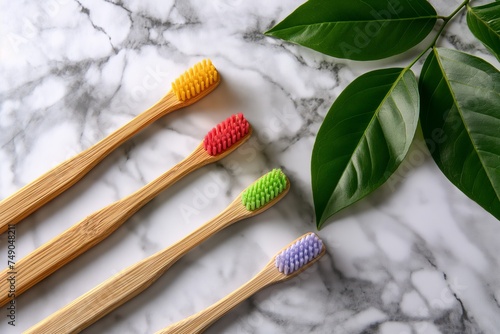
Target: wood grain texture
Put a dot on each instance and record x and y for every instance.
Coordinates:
(200, 321)
(54, 182)
(65, 247)
(120, 288)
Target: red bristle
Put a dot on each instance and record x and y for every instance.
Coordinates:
(226, 134)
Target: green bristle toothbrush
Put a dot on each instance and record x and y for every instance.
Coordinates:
(107, 296)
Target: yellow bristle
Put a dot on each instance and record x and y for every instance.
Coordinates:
(195, 80)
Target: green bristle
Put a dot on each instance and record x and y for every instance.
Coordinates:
(264, 190)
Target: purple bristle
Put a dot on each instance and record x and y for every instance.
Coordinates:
(299, 254)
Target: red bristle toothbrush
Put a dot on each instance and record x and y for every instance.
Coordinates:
(191, 86)
(54, 254)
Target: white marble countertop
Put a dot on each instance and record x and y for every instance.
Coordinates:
(416, 256)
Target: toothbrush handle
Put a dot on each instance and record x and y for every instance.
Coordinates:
(104, 298)
(107, 296)
(200, 321)
(65, 247)
(54, 182)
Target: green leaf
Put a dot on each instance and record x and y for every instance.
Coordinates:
(358, 29)
(363, 138)
(460, 117)
(484, 23)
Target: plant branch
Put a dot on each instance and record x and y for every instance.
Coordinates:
(446, 20)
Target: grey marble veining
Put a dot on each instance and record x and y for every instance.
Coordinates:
(416, 256)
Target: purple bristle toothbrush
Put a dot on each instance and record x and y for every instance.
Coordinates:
(290, 262)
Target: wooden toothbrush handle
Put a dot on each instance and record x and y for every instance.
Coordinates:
(65, 247)
(54, 254)
(200, 321)
(45, 188)
(104, 298)
(115, 291)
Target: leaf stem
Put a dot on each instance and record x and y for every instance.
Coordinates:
(446, 20)
(463, 4)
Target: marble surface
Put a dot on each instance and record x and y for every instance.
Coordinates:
(416, 256)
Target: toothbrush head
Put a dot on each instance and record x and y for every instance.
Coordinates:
(196, 82)
(233, 130)
(300, 254)
(269, 187)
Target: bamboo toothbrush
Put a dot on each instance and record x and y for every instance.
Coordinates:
(190, 87)
(45, 260)
(290, 262)
(115, 291)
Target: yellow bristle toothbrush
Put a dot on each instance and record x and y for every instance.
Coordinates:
(115, 291)
(46, 259)
(190, 87)
(291, 261)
